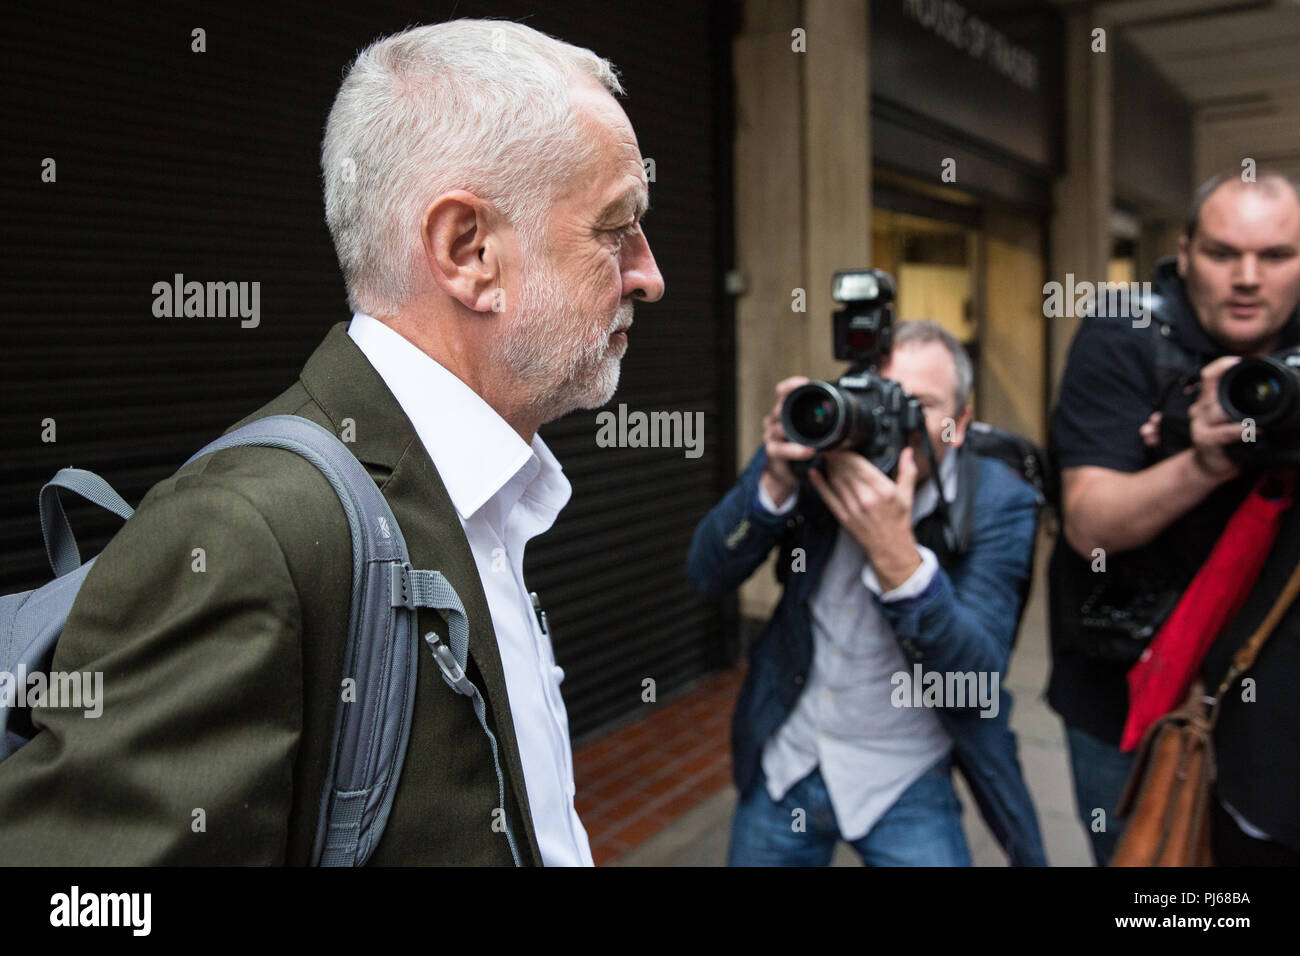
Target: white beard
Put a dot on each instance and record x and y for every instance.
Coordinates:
(557, 373)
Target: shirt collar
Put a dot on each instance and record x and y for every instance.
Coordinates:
(477, 454)
(926, 498)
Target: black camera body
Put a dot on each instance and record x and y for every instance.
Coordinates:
(862, 411)
(1265, 392)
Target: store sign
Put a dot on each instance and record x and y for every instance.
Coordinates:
(960, 28)
(988, 69)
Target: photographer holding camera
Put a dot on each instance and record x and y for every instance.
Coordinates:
(1153, 468)
(886, 578)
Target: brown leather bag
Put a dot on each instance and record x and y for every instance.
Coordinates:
(1167, 797)
(1168, 793)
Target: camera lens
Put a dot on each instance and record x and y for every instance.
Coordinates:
(1257, 394)
(814, 415)
(1263, 390)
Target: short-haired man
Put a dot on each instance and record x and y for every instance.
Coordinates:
(825, 746)
(484, 191)
(1147, 481)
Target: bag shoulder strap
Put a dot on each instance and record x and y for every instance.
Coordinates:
(60, 543)
(1245, 657)
(371, 732)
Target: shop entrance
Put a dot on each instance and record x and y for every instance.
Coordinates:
(978, 270)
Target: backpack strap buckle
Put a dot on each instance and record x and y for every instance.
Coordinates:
(400, 584)
(452, 672)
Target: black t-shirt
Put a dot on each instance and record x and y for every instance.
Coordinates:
(1106, 395)
(1110, 388)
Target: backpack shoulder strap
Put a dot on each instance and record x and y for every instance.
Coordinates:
(60, 543)
(371, 732)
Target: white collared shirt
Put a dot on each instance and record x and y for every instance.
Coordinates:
(505, 493)
(869, 751)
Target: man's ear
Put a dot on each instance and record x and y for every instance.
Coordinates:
(960, 423)
(462, 250)
(1184, 250)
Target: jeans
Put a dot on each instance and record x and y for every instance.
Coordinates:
(1100, 772)
(921, 828)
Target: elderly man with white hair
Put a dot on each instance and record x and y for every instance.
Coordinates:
(484, 191)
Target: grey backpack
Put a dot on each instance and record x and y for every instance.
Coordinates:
(370, 732)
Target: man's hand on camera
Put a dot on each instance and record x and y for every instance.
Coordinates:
(875, 510)
(778, 479)
(1212, 430)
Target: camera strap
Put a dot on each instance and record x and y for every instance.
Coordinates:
(949, 528)
(950, 537)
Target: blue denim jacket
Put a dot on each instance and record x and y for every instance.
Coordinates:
(964, 620)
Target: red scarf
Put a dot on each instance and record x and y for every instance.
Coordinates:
(1161, 678)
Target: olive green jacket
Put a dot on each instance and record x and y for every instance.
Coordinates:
(222, 668)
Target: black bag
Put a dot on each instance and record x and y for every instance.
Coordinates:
(1018, 453)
